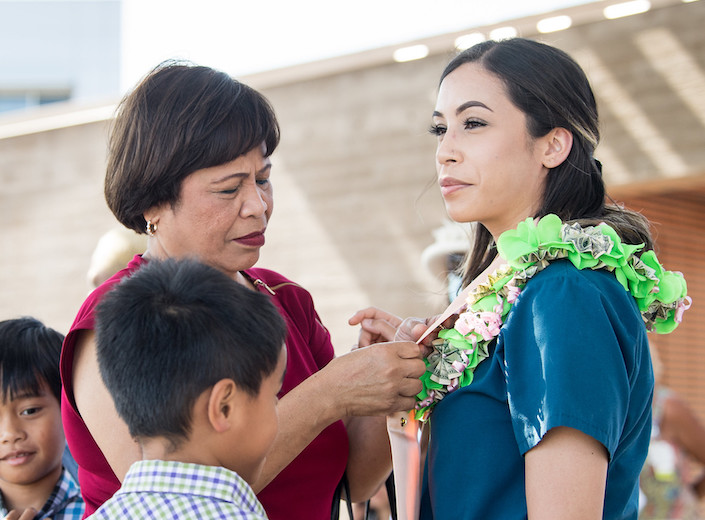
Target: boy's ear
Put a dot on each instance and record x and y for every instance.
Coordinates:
(225, 405)
(559, 142)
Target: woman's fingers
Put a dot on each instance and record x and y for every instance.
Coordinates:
(376, 326)
(375, 314)
(27, 514)
(380, 379)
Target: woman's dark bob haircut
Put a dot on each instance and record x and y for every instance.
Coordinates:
(180, 118)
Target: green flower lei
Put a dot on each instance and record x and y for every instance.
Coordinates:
(660, 295)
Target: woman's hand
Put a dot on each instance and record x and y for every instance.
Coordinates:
(376, 326)
(381, 378)
(374, 381)
(27, 514)
(378, 380)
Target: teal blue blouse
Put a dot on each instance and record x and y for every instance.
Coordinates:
(573, 352)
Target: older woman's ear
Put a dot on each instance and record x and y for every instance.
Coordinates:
(558, 143)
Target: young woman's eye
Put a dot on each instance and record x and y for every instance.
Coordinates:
(30, 411)
(473, 123)
(437, 130)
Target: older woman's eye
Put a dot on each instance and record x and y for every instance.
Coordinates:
(262, 182)
(437, 130)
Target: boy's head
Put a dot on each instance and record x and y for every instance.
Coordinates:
(31, 434)
(186, 351)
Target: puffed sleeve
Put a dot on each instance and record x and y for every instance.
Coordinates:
(570, 355)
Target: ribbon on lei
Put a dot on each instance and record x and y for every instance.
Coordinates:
(406, 433)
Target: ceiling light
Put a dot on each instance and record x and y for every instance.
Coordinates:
(468, 40)
(413, 52)
(503, 33)
(553, 24)
(626, 9)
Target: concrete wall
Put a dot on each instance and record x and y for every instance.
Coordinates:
(51, 214)
(354, 176)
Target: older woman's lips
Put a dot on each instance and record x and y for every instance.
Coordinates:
(450, 185)
(252, 240)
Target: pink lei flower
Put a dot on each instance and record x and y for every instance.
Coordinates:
(486, 324)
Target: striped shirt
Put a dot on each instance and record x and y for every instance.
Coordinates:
(64, 503)
(158, 489)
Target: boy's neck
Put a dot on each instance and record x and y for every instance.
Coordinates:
(161, 449)
(23, 496)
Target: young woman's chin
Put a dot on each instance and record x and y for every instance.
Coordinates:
(460, 213)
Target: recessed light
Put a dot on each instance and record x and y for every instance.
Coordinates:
(553, 24)
(626, 9)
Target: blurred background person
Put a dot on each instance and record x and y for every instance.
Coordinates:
(669, 490)
(114, 249)
(444, 257)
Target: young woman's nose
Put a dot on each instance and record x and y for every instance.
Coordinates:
(447, 149)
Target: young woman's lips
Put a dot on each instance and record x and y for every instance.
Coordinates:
(252, 240)
(450, 185)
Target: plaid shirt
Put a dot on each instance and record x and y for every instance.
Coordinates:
(64, 503)
(158, 489)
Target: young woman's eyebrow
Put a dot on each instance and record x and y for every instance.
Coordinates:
(463, 107)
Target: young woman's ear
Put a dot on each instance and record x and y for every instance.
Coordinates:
(558, 143)
(223, 405)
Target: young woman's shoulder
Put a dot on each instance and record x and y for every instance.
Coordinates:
(563, 289)
(563, 271)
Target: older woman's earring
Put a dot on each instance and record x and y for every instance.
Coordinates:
(151, 228)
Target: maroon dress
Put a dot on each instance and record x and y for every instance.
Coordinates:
(304, 489)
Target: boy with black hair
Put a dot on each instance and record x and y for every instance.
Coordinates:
(33, 482)
(194, 362)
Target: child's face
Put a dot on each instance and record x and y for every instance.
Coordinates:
(263, 424)
(31, 438)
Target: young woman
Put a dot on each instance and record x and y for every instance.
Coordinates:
(541, 391)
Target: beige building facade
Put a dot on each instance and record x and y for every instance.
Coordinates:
(354, 177)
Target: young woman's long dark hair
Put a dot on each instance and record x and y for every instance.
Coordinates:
(552, 91)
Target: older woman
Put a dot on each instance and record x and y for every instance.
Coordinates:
(189, 165)
(540, 391)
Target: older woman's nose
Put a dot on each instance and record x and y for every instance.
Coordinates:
(254, 203)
